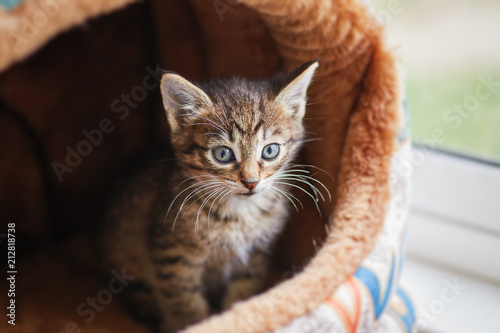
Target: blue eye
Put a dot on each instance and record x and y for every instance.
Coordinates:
(223, 154)
(270, 151)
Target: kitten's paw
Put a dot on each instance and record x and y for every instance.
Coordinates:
(193, 310)
(240, 290)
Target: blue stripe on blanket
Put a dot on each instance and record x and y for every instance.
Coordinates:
(371, 281)
(409, 317)
(9, 4)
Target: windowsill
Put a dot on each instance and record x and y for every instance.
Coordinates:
(454, 214)
(475, 309)
(454, 239)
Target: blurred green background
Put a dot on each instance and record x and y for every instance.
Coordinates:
(444, 47)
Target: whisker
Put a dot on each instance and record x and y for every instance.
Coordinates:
(314, 167)
(304, 177)
(303, 190)
(320, 183)
(191, 178)
(275, 195)
(211, 195)
(300, 188)
(191, 195)
(205, 118)
(284, 192)
(311, 140)
(225, 117)
(274, 122)
(281, 195)
(191, 186)
(210, 210)
(314, 118)
(314, 188)
(200, 188)
(204, 194)
(217, 115)
(294, 197)
(315, 103)
(206, 124)
(290, 174)
(212, 133)
(291, 171)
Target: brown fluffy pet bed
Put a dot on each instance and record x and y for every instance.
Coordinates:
(66, 66)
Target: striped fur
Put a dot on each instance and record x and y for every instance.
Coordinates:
(197, 236)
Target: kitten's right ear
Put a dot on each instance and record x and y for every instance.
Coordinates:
(181, 99)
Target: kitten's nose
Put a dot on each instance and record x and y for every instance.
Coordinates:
(249, 184)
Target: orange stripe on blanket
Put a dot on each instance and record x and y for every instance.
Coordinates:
(357, 301)
(351, 325)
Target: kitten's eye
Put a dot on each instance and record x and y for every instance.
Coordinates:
(223, 154)
(270, 151)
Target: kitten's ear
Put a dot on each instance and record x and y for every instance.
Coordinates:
(181, 99)
(293, 95)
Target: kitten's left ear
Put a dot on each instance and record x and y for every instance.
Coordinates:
(293, 95)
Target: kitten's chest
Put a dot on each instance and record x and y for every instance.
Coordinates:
(240, 225)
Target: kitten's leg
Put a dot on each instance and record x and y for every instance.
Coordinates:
(179, 270)
(246, 280)
(139, 299)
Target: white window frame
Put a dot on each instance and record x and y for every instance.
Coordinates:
(454, 216)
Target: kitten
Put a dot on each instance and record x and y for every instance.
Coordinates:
(197, 237)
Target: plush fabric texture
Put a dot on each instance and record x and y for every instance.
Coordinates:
(65, 63)
(27, 26)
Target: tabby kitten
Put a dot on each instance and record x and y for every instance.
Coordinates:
(197, 237)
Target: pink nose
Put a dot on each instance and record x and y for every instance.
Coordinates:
(249, 184)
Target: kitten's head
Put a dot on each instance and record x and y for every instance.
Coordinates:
(236, 132)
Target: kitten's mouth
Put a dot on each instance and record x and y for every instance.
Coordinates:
(247, 194)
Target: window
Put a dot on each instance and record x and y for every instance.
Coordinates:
(450, 52)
